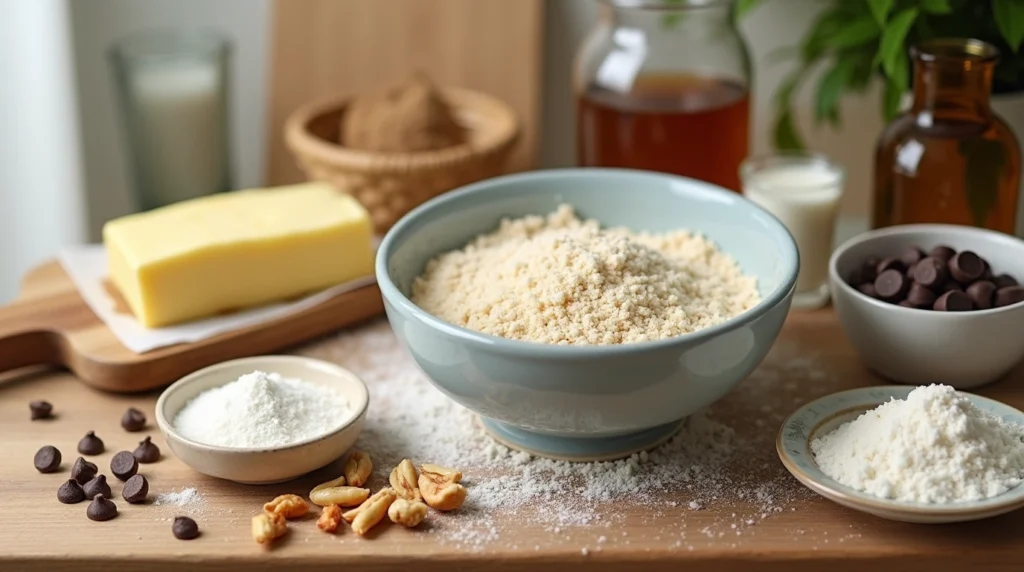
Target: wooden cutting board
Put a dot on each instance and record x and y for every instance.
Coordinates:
(50, 324)
(325, 47)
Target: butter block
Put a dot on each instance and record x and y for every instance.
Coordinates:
(234, 250)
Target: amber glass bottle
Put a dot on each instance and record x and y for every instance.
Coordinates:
(949, 159)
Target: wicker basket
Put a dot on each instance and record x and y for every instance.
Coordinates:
(391, 184)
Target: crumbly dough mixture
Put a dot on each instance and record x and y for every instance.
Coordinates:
(560, 280)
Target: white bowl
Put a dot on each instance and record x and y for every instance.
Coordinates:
(827, 413)
(907, 345)
(272, 464)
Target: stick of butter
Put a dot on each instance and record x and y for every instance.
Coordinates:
(235, 250)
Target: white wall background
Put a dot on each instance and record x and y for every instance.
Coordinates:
(43, 207)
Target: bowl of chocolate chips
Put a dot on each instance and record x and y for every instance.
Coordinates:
(931, 303)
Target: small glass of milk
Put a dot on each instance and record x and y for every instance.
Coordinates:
(803, 190)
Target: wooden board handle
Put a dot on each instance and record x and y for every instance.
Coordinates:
(24, 340)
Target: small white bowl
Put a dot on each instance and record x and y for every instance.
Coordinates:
(273, 464)
(825, 414)
(919, 347)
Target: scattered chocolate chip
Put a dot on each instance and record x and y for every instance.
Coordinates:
(890, 263)
(920, 297)
(1004, 280)
(981, 293)
(1009, 295)
(184, 528)
(133, 420)
(135, 489)
(97, 486)
(911, 256)
(101, 509)
(147, 451)
(91, 444)
(930, 272)
(966, 267)
(124, 465)
(83, 471)
(70, 492)
(891, 285)
(40, 410)
(868, 289)
(943, 253)
(47, 459)
(953, 301)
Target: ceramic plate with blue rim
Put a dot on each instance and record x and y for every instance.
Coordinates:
(825, 414)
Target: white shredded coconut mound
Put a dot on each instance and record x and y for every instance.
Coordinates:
(933, 447)
(261, 410)
(560, 280)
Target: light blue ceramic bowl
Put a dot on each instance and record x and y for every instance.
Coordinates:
(589, 402)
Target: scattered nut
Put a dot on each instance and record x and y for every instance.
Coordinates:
(338, 482)
(350, 515)
(407, 513)
(358, 468)
(373, 511)
(330, 518)
(404, 480)
(440, 489)
(288, 506)
(268, 526)
(344, 496)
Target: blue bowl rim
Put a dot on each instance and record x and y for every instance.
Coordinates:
(998, 239)
(481, 340)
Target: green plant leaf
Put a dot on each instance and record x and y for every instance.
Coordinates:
(855, 33)
(1009, 16)
(880, 9)
(743, 7)
(830, 88)
(785, 135)
(984, 163)
(935, 6)
(891, 100)
(892, 38)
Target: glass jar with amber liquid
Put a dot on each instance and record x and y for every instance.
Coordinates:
(665, 86)
(949, 159)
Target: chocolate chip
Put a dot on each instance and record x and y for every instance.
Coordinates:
(930, 272)
(905, 304)
(981, 294)
(891, 285)
(1009, 295)
(101, 509)
(47, 459)
(868, 289)
(40, 410)
(133, 420)
(70, 492)
(1004, 280)
(920, 297)
(943, 253)
(91, 444)
(147, 451)
(987, 273)
(97, 486)
(135, 489)
(953, 301)
(890, 264)
(966, 267)
(910, 271)
(124, 465)
(184, 528)
(950, 285)
(83, 471)
(869, 270)
(911, 256)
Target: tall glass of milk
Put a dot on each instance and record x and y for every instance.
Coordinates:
(173, 94)
(803, 190)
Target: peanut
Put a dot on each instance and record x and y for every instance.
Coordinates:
(440, 487)
(358, 468)
(344, 496)
(288, 506)
(404, 480)
(373, 511)
(268, 526)
(407, 513)
(330, 518)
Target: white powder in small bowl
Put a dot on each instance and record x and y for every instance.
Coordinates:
(261, 410)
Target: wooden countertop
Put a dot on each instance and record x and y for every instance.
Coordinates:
(803, 533)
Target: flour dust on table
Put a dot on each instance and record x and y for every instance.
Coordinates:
(707, 464)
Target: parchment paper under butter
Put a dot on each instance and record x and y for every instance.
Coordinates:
(87, 267)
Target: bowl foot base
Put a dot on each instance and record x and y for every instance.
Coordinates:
(579, 449)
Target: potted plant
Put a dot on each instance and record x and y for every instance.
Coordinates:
(859, 40)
